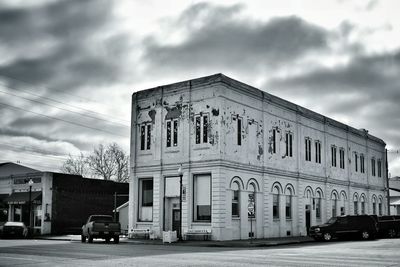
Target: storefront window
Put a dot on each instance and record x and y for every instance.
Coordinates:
(38, 216)
(146, 199)
(202, 197)
(17, 213)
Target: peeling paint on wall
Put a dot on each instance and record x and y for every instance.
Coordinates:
(152, 115)
(173, 113)
(215, 112)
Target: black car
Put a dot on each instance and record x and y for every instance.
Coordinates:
(359, 226)
(389, 226)
(14, 229)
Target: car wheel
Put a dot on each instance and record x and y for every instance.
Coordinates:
(327, 236)
(116, 239)
(90, 239)
(365, 235)
(391, 233)
(83, 238)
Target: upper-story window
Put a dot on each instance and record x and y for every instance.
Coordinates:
(289, 144)
(308, 148)
(341, 156)
(201, 128)
(275, 131)
(373, 167)
(333, 153)
(239, 131)
(145, 136)
(317, 151)
(362, 165)
(356, 162)
(172, 133)
(379, 168)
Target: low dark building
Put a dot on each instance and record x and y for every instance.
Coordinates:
(57, 203)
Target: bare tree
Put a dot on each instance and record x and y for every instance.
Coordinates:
(108, 163)
(76, 165)
(121, 163)
(101, 162)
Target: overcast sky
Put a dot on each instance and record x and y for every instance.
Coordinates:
(68, 68)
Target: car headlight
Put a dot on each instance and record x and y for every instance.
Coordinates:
(317, 230)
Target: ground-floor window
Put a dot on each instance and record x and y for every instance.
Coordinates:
(38, 215)
(17, 211)
(318, 207)
(202, 197)
(288, 208)
(362, 205)
(275, 202)
(235, 199)
(146, 199)
(380, 206)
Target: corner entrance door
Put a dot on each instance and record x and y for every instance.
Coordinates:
(176, 218)
(308, 218)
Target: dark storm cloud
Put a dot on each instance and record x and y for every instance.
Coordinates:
(367, 90)
(376, 76)
(217, 38)
(65, 35)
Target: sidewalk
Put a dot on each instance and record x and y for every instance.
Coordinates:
(199, 243)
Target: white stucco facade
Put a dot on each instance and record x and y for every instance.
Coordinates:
(196, 123)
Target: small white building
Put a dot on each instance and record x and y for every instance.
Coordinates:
(253, 164)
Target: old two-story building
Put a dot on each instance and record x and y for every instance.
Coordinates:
(54, 203)
(253, 164)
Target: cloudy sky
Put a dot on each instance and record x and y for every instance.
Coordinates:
(68, 68)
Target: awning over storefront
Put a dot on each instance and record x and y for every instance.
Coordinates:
(23, 197)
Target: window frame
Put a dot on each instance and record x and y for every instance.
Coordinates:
(145, 130)
(317, 151)
(202, 123)
(289, 144)
(333, 155)
(140, 199)
(341, 158)
(194, 208)
(171, 132)
(307, 142)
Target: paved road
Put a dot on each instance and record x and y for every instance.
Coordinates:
(385, 252)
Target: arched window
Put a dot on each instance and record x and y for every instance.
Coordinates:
(362, 201)
(355, 203)
(288, 207)
(318, 201)
(380, 206)
(252, 198)
(275, 201)
(235, 198)
(343, 199)
(374, 205)
(334, 201)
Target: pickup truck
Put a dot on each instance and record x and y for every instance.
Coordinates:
(101, 226)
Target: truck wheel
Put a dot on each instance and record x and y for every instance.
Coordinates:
(83, 238)
(327, 237)
(90, 239)
(365, 235)
(116, 239)
(107, 240)
(391, 233)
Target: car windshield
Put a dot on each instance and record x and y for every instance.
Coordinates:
(332, 220)
(101, 219)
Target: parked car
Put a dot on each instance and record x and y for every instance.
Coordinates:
(101, 226)
(389, 226)
(360, 226)
(14, 229)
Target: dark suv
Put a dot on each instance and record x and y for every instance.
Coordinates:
(361, 226)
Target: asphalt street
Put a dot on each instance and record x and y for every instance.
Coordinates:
(384, 252)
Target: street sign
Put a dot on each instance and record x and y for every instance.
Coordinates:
(251, 209)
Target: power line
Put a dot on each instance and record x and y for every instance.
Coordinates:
(66, 121)
(80, 114)
(52, 99)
